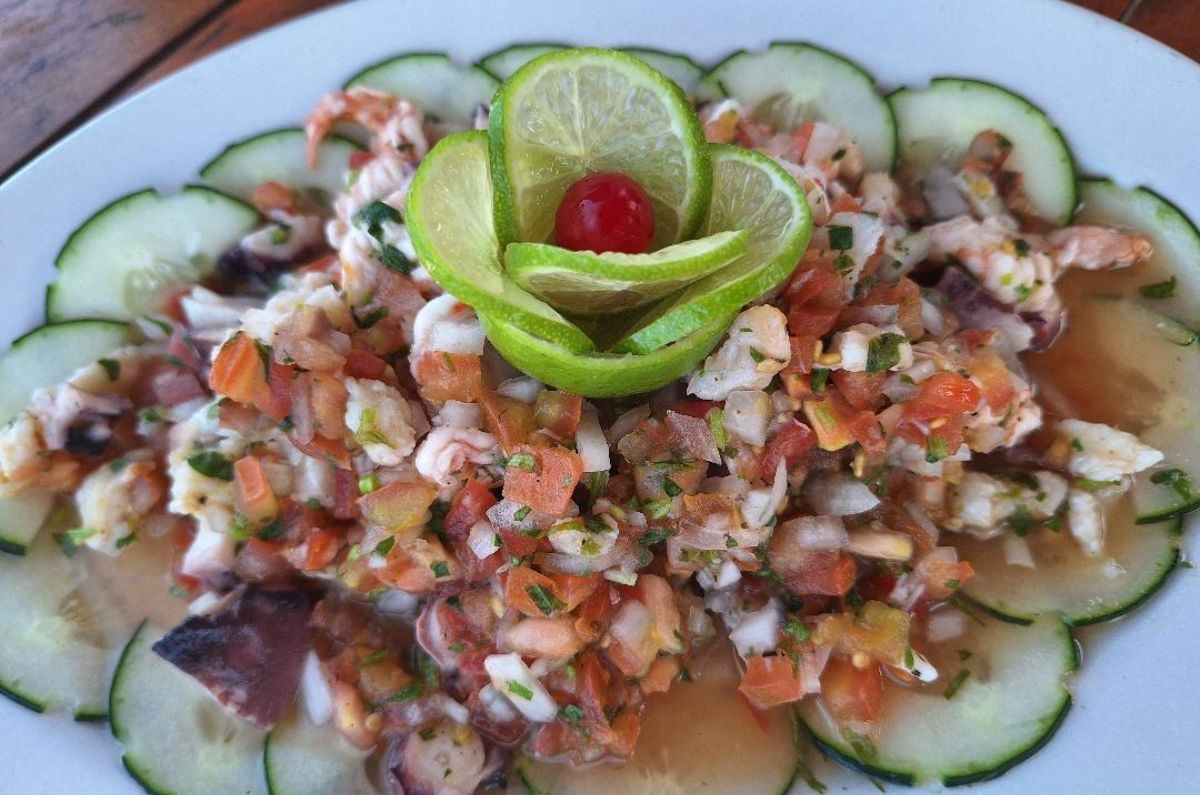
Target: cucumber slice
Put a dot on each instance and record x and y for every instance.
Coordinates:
(54, 655)
(450, 217)
(178, 740)
(502, 63)
(699, 738)
(789, 83)
(49, 355)
(600, 284)
(279, 156)
(1007, 708)
(444, 90)
(63, 617)
(303, 759)
(937, 124)
(21, 517)
(113, 265)
(1136, 563)
(680, 68)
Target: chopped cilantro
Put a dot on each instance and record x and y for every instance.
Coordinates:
(657, 509)
(716, 424)
(652, 537)
(1021, 520)
(522, 512)
(883, 352)
(819, 378)
(570, 713)
(964, 655)
(385, 546)
(671, 488)
(212, 464)
(843, 263)
(757, 355)
(1176, 479)
(841, 238)
(374, 658)
(409, 692)
(125, 541)
(394, 260)
(427, 733)
(371, 318)
(956, 683)
(1021, 247)
(936, 449)
(797, 629)
(111, 367)
(372, 217)
(1158, 290)
(1076, 445)
(546, 601)
(524, 461)
(520, 690)
(439, 569)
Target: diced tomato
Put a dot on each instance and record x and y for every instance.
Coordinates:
(790, 444)
(595, 613)
(359, 160)
(905, 295)
(510, 421)
(255, 499)
(518, 545)
(804, 351)
(770, 681)
(695, 408)
(328, 401)
(625, 730)
(469, 505)
(861, 390)
(239, 373)
(942, 577)
(661, 675)
(322, 449)
(656, 594)
(838, 425)
(528, 592)
(273, 195)
(364, 364)
(575, 588)
(816, 294)
(807, 571)
(320, 549)
(542, 478)
(558, 412)
(876, 630)
(996, 384)
(846, 203)
(442, 376)
(877, 585)
(398, 507)
(345, 495)
(940, 396)
(853, 696)
(591, 686)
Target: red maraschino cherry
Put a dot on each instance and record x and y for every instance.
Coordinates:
(605, 212)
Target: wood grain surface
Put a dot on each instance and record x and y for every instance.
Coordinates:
(62, 61)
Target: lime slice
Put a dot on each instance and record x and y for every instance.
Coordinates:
(586, 283)
(601, 374)
(752, 192)
(570, 113)
(449, 216)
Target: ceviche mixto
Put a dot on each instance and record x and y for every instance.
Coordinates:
(582, 439)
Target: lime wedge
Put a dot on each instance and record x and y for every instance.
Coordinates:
(599, 284)
(449, 216)
(752, 192)
(601, 374)
(570, 113)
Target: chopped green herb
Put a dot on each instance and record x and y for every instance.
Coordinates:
(150, 414)
(1076, 445)
(652, 537)
(757, 355)
(524, 461)
(1176, 479)
(367, 432)
(385, 546)
(1021, 247)
(956, 683)
(117, 464)
(111, 367)
(409, 692)
(1021, 520)
(372, 217)
(716, 424)
(547, 602)
(522, 512)
(439, 569)
(457, 648)
(883, 352)
(1023, 292)
(279, 234)
(125, 541)
(797, 629)
(371, 318)
(671, 488)
(368, 483)
(212, 464)
(657, 509)
(730, 542)
(570, 713)
(1159, 290)
(936, 449)
(313, 504)
(427, 733)
(841, 238)
(843, 263)
(953, 584)
(910, 660)
(374, 658)
(964, 655)
(520, 690)
(595, 482)
(394, 259)
(239, 527)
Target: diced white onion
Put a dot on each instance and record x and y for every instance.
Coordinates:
(457, 414)
(747, 415)
(881, 544)
(483, 539)
(1017, 552)
(627, 422)
(590, 442)
(839, 494)
(757, 632)
(945, 625)
(513, 680)
(817, 532)
(315, 693)
(631, 623)
(523, 389)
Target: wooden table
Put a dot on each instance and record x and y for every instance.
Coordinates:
(62, 61)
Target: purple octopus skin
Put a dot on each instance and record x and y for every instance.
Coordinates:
(249, 655)
(975, 308)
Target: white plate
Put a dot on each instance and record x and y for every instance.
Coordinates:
(1129, 106)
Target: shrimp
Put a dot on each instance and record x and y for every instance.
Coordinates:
(757, 348)
(1100, 452)
(1096, 247)
(445, 452)
(395, 124)
(111, 500)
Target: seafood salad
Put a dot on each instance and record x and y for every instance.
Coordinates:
(478, 448)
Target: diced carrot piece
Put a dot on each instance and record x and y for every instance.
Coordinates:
(770, 681)
(558, 412)
(442, 376)
(531, 593)
(542, 478)
(398, 507)
(255, 499)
